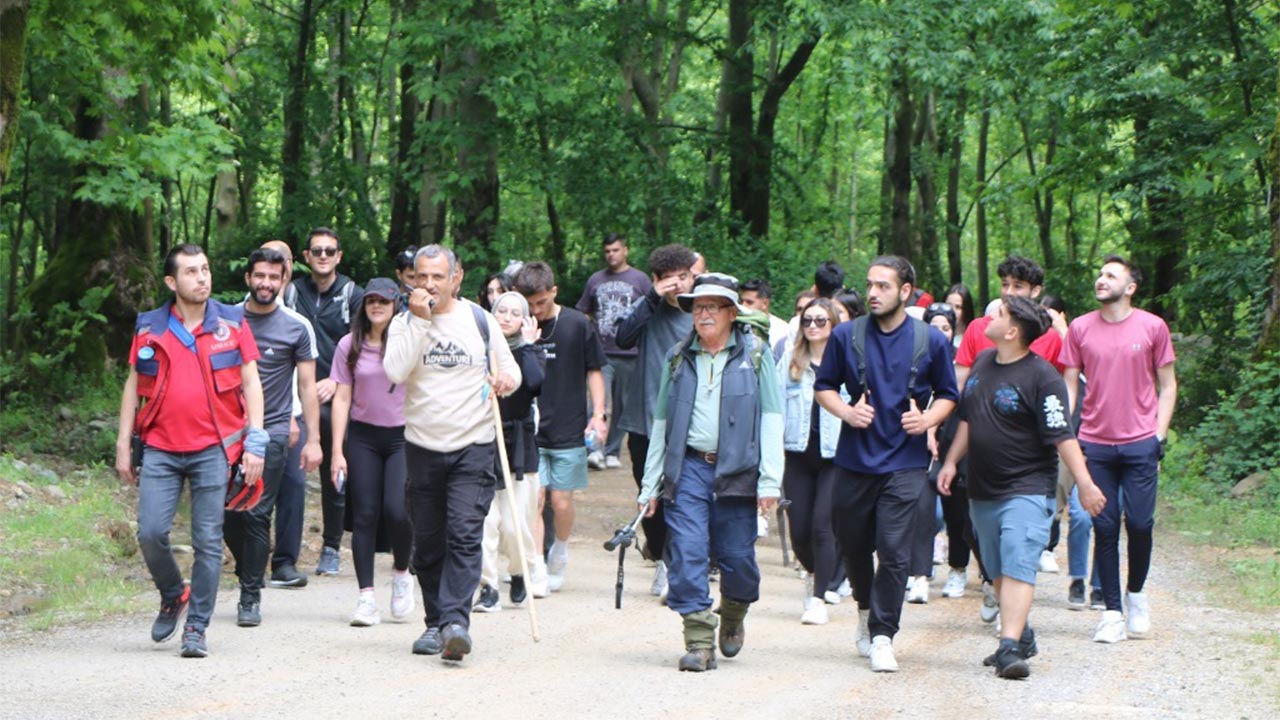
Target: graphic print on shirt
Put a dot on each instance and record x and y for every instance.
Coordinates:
(613, 303)
(1055, 415)
(446, 354)
(1006, 400)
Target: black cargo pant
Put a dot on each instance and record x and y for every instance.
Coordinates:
(248, 533)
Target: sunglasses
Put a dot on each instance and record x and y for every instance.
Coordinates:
(940, 307)
(819, 321)
(327, 250)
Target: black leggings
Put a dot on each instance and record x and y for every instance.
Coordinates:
(655, 528)
(375, 488)
(807, 480)
(955, 512)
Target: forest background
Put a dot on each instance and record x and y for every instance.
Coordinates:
(768, 134)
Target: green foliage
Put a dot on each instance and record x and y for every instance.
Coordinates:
(48, 368)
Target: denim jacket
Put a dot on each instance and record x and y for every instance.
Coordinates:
(797, 405)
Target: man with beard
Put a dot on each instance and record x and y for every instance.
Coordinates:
(883, 360)
(284, 343)
(1127, 354)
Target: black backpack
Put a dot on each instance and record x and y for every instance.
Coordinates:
(919, 348)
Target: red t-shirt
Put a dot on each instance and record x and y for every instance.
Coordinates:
(1047, 346)
(184, 422)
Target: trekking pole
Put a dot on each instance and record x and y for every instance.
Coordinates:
(517, 518)
(621, 540)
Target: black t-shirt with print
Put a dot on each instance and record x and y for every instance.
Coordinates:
(572, 347)
(1017, 413)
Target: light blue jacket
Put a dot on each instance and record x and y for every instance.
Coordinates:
(797, 409)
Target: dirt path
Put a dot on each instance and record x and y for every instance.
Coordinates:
(1203, 661)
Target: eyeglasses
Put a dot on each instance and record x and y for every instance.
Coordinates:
(328, 250)
(709, 309)
(818, 321)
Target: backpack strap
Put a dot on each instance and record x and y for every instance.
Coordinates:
(482, 324)
(291, 296)
(919, 349)
(345, 299)
(858, 340)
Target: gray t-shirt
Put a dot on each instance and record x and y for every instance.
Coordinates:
(284, 339)
(653, 327)
(608, 298)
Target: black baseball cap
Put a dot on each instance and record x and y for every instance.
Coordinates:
(384, 288)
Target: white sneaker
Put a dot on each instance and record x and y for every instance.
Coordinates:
(831, 597)
(919, 592)
(956, 580)
(939, 549)
(815, 612)
(864, 633)
(557, 564)
(1110, 628)
(554, 582)
(1048, 563)
(366, 614)
(538, 581)
(882, 659)
(659, 587)
(990, 609)
(402, 601)
(612, 461)
(845, 589)
(596, 460)
(1138, 622)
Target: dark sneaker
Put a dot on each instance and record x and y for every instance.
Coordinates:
(1075, 595)
(489, 600)
(329, 561)
(429, 643)
(166, 623)
(1026, 646)
(456, 642)
(287, 576)
(249, 613)
(698, 660)
(1095, 600)
(518, 591)
(1010, 662)
(193, 644)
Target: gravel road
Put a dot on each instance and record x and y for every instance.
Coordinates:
(1203, 660)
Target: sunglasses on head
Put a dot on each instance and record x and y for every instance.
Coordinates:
(940, 308)
(328, 250)
(819, 321)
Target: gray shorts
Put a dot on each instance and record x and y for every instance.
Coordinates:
(1012, 533)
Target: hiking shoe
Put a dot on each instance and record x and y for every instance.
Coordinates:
(1096, 601)
(1048, 563)
(863, 643)
(457, 642)
(919, 592)
(489, 600)
(1075, 595)
(1138, 618)
(1010, 662)
(956, 581)
(249, 613)
(698, 660)
(287, 576)
(1111, 628)
(193, 643)
(596, 460)
(428, 643)
(732, 637)
(402, 601)
(990, 609)
(1026, 646)
(659, 586)
(815, 612)
(882, 659)
(166, 623)
(518, 590)
(329, 561)
(366, 614)
(612, 461)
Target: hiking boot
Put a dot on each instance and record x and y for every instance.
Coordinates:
(1138, 619)
(956, 582)
(287, 576)
(402, 601)
(1096, 601)
(249, 613)
(457, 642)
(698, 660)
(1075, 595)
(733, 633)
(1111, 628)
(489, 600)
(429, 643)
(1048, 563)
(1010, 663)
(366, 614)
(166, 623)
(1026, 646)
(193, 644)
(518, 591)
(882, 658)
(330, 561)
(990, 609)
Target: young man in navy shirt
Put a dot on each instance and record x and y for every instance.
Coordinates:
(882, 453)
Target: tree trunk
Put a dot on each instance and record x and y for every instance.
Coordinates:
(738, 86)
(926, 141)
(294, 201)
(475, 205)
(13, 43)
(762, 165)
(885, 229)
(984, 274)
(900, 171)
(1161, 233)
(1246, 83)
(401, 232)
(954, 133)
(1270, 339)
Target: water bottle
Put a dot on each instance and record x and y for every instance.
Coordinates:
(590, 440)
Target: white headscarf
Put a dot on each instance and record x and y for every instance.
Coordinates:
(517, 340)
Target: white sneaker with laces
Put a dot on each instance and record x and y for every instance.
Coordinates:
(815, 612)
(1048, 563)
(557, 564)
(919, 592)
(1138, 621)
(596, 460)
(956, 580)
(366, 614)
(659, 587)
(402, 601)
(1111, 628)
(882, 659)
(990, 604)
(612, 461)
(538, 581)
(864, 633)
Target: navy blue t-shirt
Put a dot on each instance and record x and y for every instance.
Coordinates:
(885, 447)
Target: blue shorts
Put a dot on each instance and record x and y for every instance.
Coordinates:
(563, 469)
(1012, 533)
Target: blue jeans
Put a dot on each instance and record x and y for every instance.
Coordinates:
(699, 524)
(1079, 532)
(159, 487)
(291, 505)
(1127, 475)
(619, 374)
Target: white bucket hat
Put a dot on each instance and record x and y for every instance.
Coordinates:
(712, 284)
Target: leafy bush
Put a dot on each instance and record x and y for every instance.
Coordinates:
(46, 369)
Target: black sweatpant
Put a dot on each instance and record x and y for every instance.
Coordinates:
(922, 538)
(876, 513)
(332, 502)
(248, 533)
(655, 528)
(955, 513)
(375, 488)
(449, 494)
(807, 480)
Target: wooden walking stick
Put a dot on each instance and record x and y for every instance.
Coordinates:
(516, 516)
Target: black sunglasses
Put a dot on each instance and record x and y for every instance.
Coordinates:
(329, 250)
(819, 321)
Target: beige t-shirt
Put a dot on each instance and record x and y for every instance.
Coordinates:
(443, 366)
